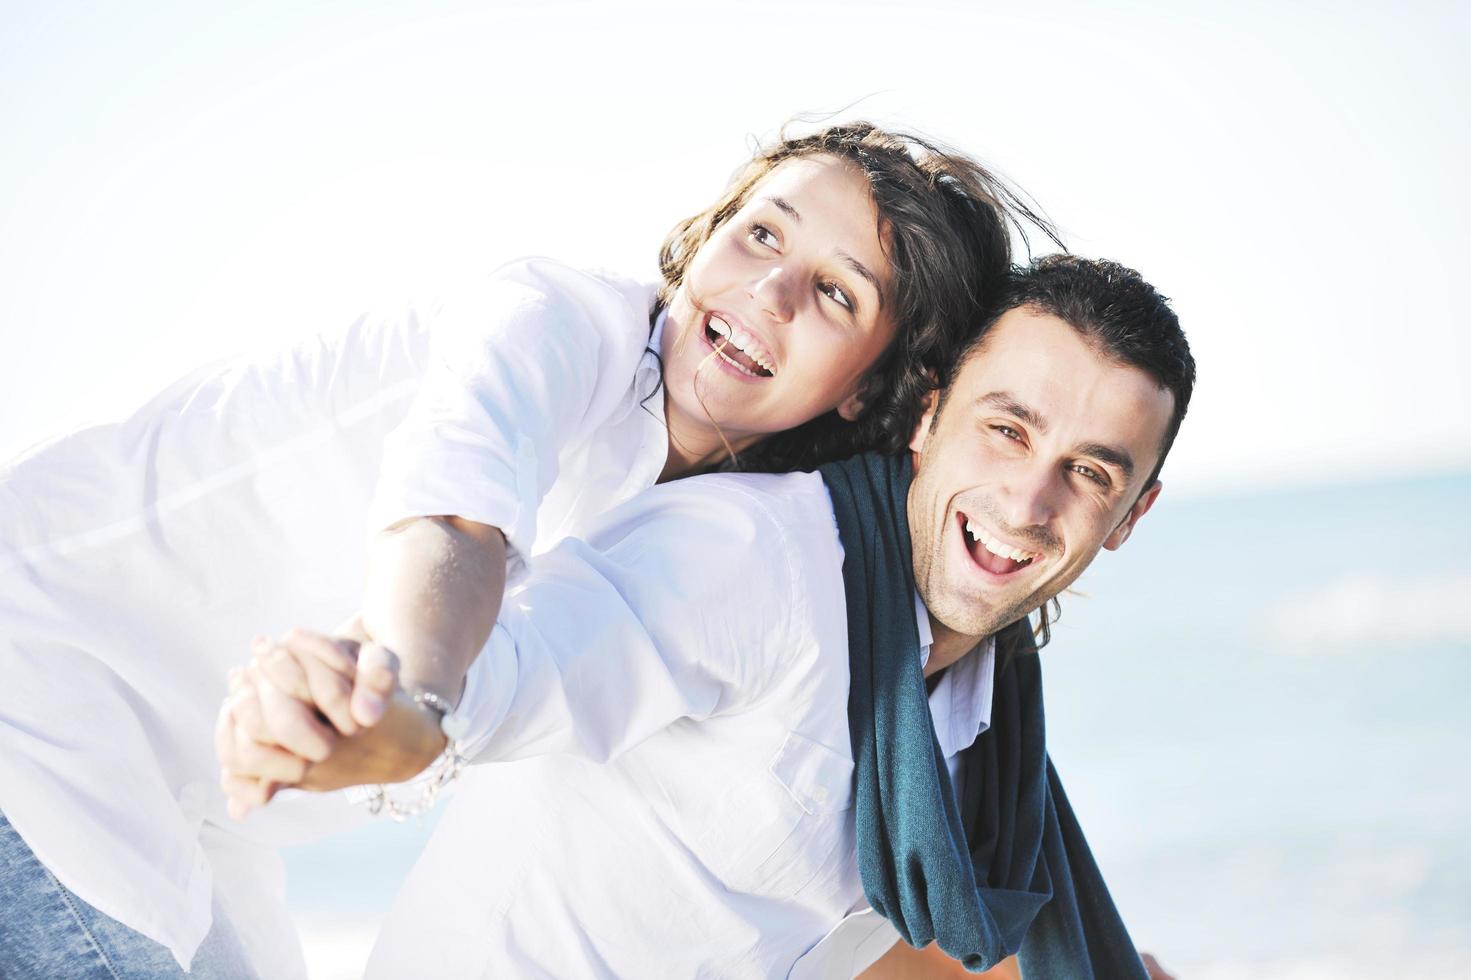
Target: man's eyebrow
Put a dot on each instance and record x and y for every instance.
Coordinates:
(1110, 455)
(1006, 402)
(1011, 405)
(862, 270)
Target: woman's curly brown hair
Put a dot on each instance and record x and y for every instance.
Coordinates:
(946, 223)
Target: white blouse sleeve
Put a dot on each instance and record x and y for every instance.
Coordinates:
(686, 604)
(520, 368)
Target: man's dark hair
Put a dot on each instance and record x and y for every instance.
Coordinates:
(1122, 316)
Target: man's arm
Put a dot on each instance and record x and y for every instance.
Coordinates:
(904, 962)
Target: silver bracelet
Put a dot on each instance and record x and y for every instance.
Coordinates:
(436, 776)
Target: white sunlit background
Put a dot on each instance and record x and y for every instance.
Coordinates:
(1258, 705)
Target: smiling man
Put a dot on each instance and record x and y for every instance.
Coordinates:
(772, 725)
(1046, 447)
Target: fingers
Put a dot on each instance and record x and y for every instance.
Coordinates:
(243, 794)
(281, 668)
(331, 692)
(257, 762)
(271, 729)
(292, 724)
(269, 732)
(315, 669)
(339, 654)
(244, 711)
(242, 742)
(377, 679)
(233, 747)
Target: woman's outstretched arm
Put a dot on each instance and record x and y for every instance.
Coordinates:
(520, 368)
(433, 594)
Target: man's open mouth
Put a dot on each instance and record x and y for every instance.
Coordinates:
(738, 348)
(992, 554)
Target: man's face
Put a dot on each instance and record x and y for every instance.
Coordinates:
(1037, 460)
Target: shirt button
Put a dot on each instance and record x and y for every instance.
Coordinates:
(821, 794)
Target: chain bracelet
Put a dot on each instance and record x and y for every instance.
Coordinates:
(438, 775)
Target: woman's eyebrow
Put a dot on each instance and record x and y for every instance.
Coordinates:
(785, 206)
(862, 270)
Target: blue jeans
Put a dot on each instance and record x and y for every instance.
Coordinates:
(48, 932)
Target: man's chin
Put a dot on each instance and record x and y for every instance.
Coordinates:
(966, 619)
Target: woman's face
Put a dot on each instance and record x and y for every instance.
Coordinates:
(782, 311)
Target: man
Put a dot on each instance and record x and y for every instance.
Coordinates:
(718, 723)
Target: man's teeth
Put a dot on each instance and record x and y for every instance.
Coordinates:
(996, 547)
(742, 342)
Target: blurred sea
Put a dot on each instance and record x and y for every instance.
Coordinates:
(1259, 706)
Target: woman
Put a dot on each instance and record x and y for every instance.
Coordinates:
(818, 298)
(136, 552)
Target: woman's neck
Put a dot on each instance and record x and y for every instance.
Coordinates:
(695, 445)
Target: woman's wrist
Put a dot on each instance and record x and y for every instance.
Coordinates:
(435, 677)
(434, 774)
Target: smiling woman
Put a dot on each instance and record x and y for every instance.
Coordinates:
(786, 300)
(822, 294)
(920, 203)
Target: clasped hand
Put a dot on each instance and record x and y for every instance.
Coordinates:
(319, 712)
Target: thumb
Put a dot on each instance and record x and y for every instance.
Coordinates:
(377, 677)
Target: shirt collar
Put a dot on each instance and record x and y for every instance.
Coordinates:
(961, 702)
(647, 376)
(922, 620)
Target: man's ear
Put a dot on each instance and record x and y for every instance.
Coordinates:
(922, 430)
(1120, 534)
(851, 407)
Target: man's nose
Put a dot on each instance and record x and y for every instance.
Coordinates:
(773, 291)
(1028, 497)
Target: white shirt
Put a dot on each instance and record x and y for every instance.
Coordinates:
(540, 407)
(137, 559)
(664, 779)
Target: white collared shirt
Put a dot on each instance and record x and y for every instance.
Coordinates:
(137, 560)
(540, 407)
(664, 776)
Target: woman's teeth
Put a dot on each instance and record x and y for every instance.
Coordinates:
(977, 533)
(743, 342)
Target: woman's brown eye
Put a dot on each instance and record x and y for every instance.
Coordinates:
(835, 292)
(763, 235)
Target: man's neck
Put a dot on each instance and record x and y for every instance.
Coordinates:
(947, 647)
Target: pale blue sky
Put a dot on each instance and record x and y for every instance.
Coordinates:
(180, 181)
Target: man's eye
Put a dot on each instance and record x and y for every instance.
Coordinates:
(1008, 432)
(1090, 473)
(837, 294)
(763, 235)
